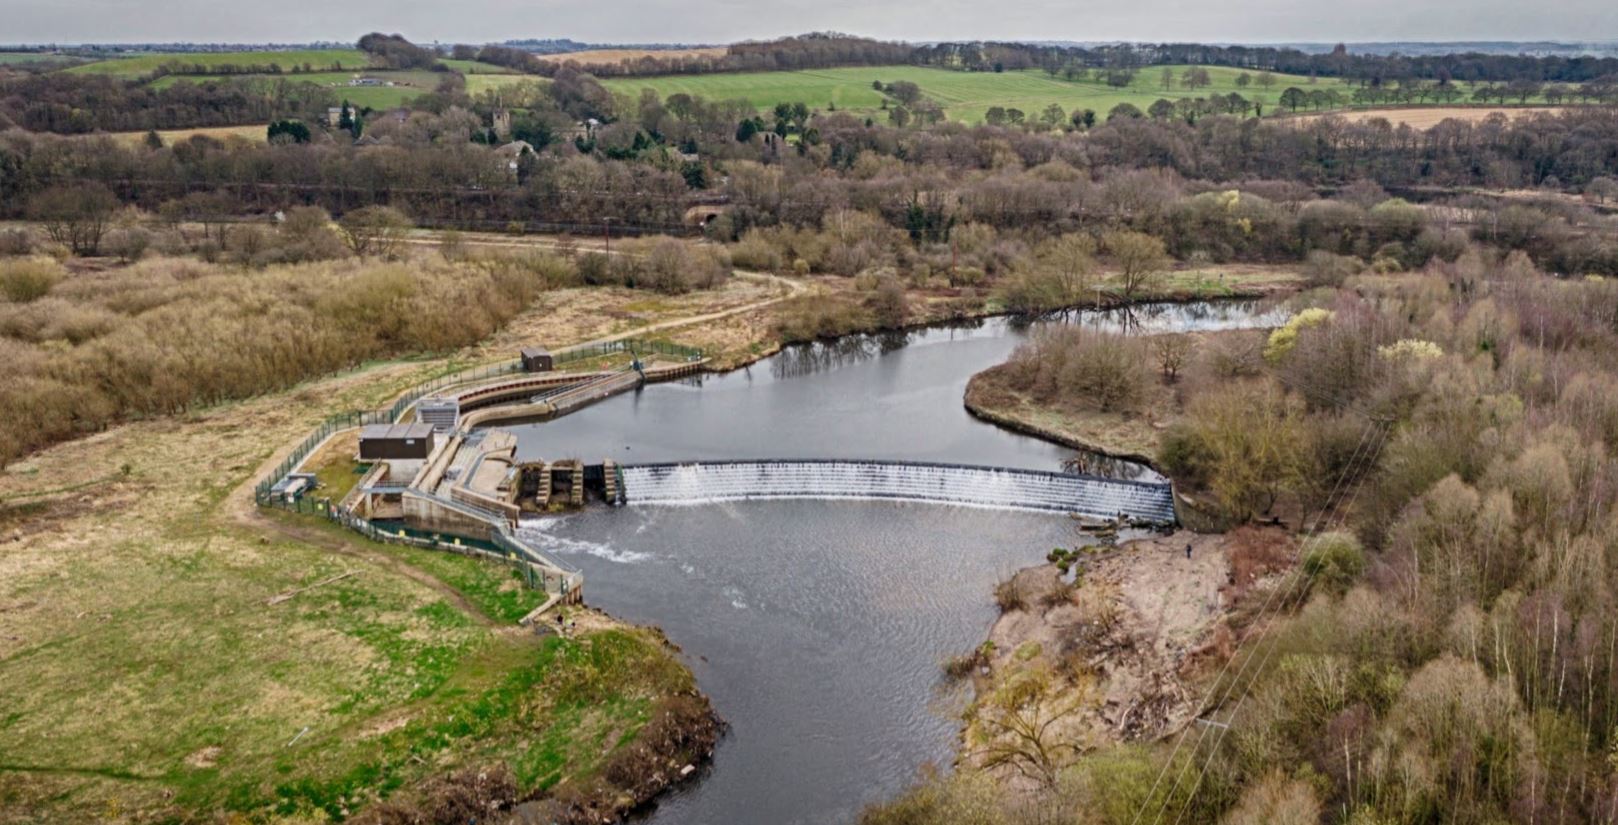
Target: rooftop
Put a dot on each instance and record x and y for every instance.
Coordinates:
(396, 431)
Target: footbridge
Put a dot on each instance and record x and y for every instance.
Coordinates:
(1139, 502)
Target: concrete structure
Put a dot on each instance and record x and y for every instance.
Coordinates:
(396, 441)
(443, 413)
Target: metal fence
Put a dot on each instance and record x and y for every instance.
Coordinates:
(540, 568)
(502, 548)
(633, 346)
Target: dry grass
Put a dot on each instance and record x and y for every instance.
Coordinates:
(254, 133)
(134, 633)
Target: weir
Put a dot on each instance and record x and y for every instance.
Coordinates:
(957, 484)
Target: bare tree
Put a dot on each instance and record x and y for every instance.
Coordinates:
(75, 216)
(1019, 721)
(1171, 352)
(1140, 259)
(375, 230)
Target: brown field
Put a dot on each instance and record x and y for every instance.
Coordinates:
(256, 133)
(609, 56)
(1426, 117)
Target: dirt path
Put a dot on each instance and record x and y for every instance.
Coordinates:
(240, 507)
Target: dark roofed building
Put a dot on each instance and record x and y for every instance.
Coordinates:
(396, 441)
(536, 359)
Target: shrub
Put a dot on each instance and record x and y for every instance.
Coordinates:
(1334, 561)
(375, 230)
(1082, 367)
(1285, 336)
(28, 279)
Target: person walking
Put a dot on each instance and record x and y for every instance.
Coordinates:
(1188, 549)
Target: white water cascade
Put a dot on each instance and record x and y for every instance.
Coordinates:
(990, 487)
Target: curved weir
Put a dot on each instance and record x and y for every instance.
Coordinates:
(958, 484)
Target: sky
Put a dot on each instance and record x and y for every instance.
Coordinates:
(723, 21)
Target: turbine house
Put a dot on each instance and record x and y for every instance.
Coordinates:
(380, 442)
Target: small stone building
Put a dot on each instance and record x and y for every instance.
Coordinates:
(536, 359)
(383, 442)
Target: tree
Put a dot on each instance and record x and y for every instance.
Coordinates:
(1140, 259)
(1265, 80)
(995, 116)
(1125, 110)
(75, 215)
(1168, 78)
(153, 139)
(1244, 80)
(1171, 352)
(1053, 115)
(375, 230)
(1016, 724)
(1293, 97)
(288, 131)
(1163, 109)
(1602, 189)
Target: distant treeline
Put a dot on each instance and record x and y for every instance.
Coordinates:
(83, 103)
(819, 51)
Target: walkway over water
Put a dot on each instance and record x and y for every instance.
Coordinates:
(958, 484)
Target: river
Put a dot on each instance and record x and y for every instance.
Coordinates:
(819, 627)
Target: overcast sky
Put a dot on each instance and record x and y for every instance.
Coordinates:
(720, 21)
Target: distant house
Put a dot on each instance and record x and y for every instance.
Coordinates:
(583, 130)
(500, 121)
(369, 81)
(513, 151)
(334, 116)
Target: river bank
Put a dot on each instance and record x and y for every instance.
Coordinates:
(149, 677)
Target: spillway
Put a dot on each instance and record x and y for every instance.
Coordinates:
(962, 485)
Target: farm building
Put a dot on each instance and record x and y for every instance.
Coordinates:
(396, 441)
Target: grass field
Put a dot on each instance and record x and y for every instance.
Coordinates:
(258, 133)
(471, 67)
(601, 57)
(147, 678)
(319, 59)
(31, 57)
(407, 84)
(964, 95)
(1426, 117)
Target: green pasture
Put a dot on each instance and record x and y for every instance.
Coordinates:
(143, 64)
(965, 96)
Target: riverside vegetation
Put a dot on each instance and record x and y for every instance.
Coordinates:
(174, 313)
(1440, 652)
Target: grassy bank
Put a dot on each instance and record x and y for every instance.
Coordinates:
(147, 677)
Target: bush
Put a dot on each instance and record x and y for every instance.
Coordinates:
(811, 317)
(1081, 367)
(1334, 561)
(29, 279)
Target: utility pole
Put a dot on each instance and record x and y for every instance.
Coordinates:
(606, 233)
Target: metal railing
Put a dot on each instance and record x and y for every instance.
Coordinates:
(633, 346)
(265, 496)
